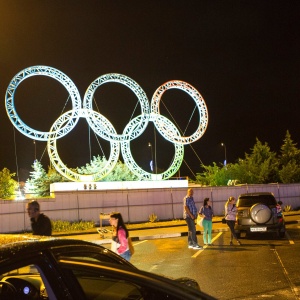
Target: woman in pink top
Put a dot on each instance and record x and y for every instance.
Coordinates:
(120, 236)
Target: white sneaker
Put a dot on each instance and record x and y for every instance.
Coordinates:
(197, 247)
(190, 246)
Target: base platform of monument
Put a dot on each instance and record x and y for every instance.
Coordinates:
(117, 185)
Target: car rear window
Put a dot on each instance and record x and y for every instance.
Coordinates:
(248, 201)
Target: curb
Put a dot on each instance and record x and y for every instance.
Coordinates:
(137, 238)
(168, 235)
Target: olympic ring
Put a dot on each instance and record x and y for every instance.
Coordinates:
(134, 168)
(102, 126)
(46, 71)
(138, 91)
(61, 167)
(203, 115)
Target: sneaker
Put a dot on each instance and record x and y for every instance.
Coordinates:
(231, 243)
(190, 246)
(197, 247)
(211, 244)
(239, 243)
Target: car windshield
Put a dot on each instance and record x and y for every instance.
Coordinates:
(248, 201)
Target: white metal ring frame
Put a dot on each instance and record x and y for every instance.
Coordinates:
(102, 126)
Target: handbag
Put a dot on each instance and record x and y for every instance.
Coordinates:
(130, 246)
(199, 220)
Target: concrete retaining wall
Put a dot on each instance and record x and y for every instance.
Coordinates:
(135, 205)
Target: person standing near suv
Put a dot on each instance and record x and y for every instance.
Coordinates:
(190, 214)
(230, 217)
(207, 213)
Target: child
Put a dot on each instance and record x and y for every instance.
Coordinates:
(279, 209)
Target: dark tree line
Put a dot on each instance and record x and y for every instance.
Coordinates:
(259, 166)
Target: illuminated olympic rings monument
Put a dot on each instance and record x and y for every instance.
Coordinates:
(102, 126)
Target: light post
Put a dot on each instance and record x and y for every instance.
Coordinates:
(34, 150)
(225, 161)
(151, 163)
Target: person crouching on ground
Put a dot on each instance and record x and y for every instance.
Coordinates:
(120, 236)
(40, 223)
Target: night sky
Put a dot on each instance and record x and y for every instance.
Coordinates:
(242, 56)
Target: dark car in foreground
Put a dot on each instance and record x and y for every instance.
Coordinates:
(56, 268)
(257, 212)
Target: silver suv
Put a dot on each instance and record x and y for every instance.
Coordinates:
(257, 212)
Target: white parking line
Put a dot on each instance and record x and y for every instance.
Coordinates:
(215, 238)
(294, 288)
(139, 242)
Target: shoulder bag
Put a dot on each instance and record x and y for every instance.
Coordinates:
(200, 220)
(130, 246)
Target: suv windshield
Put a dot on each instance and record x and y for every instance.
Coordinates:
(249, 200)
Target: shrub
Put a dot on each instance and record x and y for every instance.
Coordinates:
(65, 226)
(153, 218)
(287, 208)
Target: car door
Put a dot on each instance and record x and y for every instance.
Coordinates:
(111, 282)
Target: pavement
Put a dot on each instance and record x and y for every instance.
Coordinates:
(156, 230)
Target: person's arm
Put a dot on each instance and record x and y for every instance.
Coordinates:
(187, 210)
(201, 212)
(122, 240)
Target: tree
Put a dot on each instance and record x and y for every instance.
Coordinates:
(213, 175)
(120, 172)
(261, 166)
(289, 151)
(7, 184)
(36, 183)
(39, 181)
(289, 161)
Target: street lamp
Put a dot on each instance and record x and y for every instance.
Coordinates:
(225, 161)
(34, 150)
(151, 162)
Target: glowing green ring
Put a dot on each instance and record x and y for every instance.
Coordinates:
(62, 168)
(143, 175)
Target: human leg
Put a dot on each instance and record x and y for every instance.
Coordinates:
(192, 238)
(190, 242)
(232, 232)
(205, 231)
(126, 255)
(209, 231)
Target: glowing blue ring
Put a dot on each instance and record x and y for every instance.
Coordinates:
(45, 71)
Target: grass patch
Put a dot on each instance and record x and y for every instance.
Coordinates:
(66, 226)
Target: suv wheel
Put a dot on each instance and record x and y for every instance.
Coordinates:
(260, 213)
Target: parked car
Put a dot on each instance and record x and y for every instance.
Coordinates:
(33, 267)
(257, 213)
